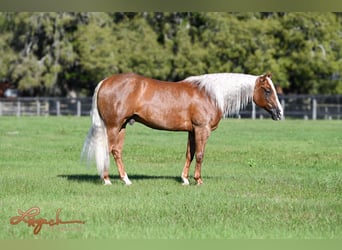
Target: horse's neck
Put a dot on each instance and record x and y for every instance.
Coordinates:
(240, 94)
(230, 91)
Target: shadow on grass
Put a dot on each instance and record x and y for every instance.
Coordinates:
(96, 178)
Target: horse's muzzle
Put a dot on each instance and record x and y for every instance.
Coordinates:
(276, 113)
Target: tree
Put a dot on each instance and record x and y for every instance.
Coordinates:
(42, 44)
(128, 45)
(309, 51)
(53, 53)
(8, 55)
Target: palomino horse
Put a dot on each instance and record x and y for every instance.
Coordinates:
(195, 105)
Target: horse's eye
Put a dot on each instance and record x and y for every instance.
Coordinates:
(267, 91)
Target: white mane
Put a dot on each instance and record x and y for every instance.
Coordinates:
(230, 91)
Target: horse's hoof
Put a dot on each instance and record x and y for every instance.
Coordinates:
(185, 181)
(126, 180)
(107, 183)
(199, 182)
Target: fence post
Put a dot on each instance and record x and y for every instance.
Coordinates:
(38, 107)
(314, 109)
(283, 105)
(253, 111)
(58, 108)
(338, 110)
(18, 108)
(78, 108)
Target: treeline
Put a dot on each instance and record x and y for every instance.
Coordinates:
(55, 53)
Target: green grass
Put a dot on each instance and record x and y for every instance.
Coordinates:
(262, 179)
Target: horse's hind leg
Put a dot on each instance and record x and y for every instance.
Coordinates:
(116, 142)
(201, 137)
(190, 152)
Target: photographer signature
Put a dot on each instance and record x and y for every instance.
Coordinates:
(28, 217)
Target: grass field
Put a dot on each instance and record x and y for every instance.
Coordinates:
(262, 179)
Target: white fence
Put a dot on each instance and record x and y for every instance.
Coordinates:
(303, 107)
(295, 106)
(45, 106)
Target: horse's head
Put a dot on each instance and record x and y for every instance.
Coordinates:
(265, 96)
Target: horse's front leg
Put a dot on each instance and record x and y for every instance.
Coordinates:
(190, 152)
(201, 137)
(116, 142)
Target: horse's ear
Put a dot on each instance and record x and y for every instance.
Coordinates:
(269, 75)
(263, 77)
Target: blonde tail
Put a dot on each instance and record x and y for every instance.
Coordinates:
(96, 143)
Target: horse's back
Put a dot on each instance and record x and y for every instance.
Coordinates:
(120, 79)
(127, 83)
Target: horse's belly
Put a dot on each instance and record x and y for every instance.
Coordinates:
(177, 120)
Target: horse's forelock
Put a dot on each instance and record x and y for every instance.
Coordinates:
(275, 93)
(271, 84)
